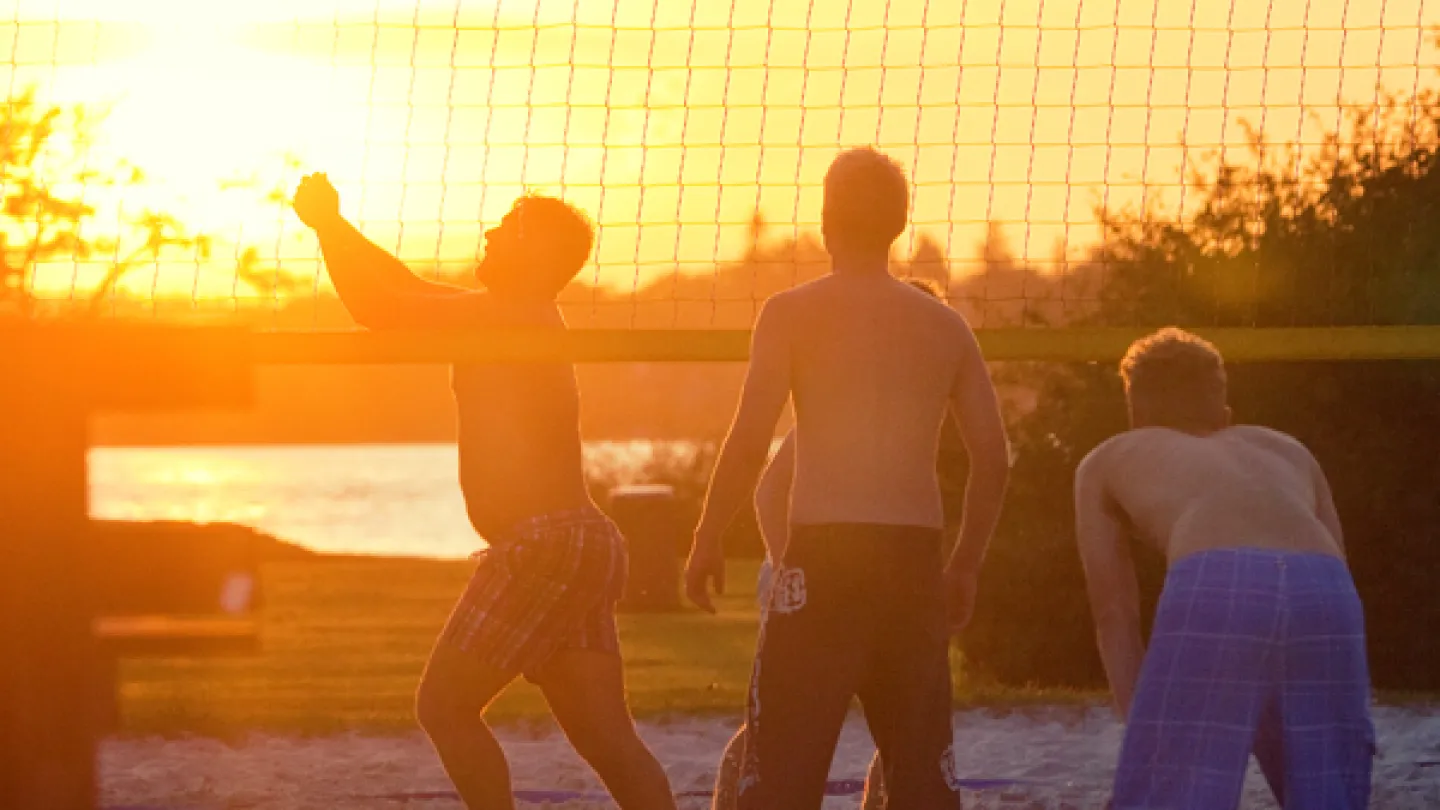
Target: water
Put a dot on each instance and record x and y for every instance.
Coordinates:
(360, 499)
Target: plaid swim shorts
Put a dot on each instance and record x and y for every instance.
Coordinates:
(550, 584)
(1253, 651)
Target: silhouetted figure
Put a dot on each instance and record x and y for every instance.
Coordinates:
(858, 603)
(1259, 638)
(772, 510)
(542, 600)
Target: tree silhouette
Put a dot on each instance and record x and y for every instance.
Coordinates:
(1343, 237)
(51, 176)
(48, 172)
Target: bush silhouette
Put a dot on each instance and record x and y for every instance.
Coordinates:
(1346, 236)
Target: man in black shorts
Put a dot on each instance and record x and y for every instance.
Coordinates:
(772, 510)
(859, 602)
(542, 600)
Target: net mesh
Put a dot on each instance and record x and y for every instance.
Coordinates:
(1070, 159)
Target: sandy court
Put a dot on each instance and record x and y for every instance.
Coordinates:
(1065, 755)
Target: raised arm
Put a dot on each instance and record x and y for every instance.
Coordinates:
(379, 291)
(1110, 580)
(767, 389)
(772, 499)
(976, 410)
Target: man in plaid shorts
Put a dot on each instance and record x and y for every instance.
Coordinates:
(1259, 640)
(542, 600)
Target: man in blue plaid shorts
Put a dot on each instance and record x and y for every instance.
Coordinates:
(1258, 643)
(542, 600)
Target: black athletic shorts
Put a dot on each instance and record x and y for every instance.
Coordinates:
(855, 610)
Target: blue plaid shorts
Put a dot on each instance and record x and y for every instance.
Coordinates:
(1258, 652)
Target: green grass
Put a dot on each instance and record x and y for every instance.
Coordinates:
(344, 643)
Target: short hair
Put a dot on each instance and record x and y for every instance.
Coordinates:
(567, 232)
(1177, 375)
(867, 200)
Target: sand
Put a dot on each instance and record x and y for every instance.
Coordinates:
(1066, 754)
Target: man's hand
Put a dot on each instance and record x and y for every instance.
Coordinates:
(961, 584)
(706, 563)
(317, 203)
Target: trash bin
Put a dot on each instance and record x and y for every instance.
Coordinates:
(649, 518)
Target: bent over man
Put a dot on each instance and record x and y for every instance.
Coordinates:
(1259, 641)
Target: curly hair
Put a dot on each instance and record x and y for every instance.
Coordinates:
(1176, 375)
(561, 224)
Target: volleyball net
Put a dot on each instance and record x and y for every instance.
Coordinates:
(1077, 165)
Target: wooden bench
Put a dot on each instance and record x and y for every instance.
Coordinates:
(170, 590)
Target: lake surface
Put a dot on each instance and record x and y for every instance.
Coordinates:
(361, 499)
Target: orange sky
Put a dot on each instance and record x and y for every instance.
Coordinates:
(671, 121)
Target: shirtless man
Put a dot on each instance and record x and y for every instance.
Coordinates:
(1259, 641)
(859, 601)
(542, 600)
(772, 510)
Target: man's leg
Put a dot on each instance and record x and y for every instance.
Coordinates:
(875, 796)
(1270, 749)
(453, 693)
(1324, 707)
(915, 763)
(727, 781)
(811, 657)
(586, 692)
(1203, 685)
(907, 691)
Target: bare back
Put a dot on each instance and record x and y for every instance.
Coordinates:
(873, 366)
(1243, 486)
(519, 436)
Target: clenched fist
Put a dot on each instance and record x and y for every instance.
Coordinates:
(317, 203)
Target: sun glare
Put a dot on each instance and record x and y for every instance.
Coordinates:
(199, 107)
(671, 124)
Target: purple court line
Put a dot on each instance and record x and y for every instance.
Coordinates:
(837, 787)
(841, 787)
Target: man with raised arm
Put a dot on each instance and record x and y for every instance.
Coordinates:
(859, 601)
(1259, 640)
(542, 600)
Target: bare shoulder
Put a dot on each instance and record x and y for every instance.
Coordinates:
(1281, 444)
(948, 313)
(784, 302)
(1093, 467)
(780, 307)
(1126, 456)
(1261, 433)
(804, 290)
(1269, 438)
(949, 318)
